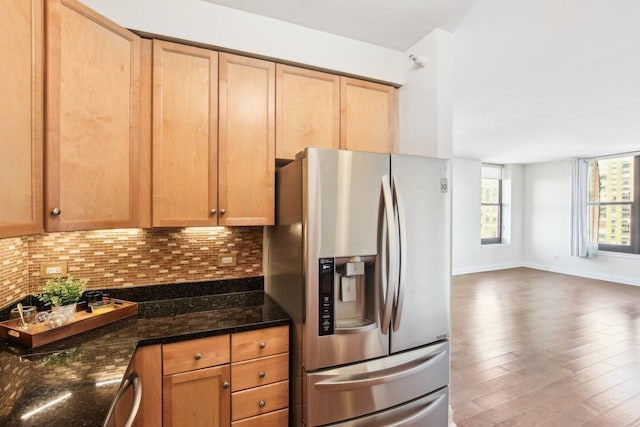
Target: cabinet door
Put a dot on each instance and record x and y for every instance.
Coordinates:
(246, 165)
(185, 135)
(197, 398)
(369, 116)
(307, 110)
(21, 81)
(92, 121)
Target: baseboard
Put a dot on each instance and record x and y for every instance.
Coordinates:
(625, 280)
(483, 268)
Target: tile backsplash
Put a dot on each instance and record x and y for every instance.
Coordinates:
(14, 279)
(129, 257)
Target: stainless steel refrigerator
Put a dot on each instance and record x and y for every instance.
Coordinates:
(360, 259)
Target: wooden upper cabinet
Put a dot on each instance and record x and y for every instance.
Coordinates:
(185, 135)
(21, 56)
(246, 163)
(307, 110)
(369, 116)
(93, 120)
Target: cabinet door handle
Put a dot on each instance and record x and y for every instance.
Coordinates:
(225, 385)
(222, 211)
(262, 344)
(56, 211)
(197, 356)
(261, 374)
(213, 211)
(262, 403)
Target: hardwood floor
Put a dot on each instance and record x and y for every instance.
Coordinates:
(533, 348)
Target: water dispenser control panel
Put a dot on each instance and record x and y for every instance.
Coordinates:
(326, 289)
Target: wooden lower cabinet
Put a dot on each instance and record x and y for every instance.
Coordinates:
(260, 377)
(260, 400)
(240, 379)
(197, 398)
(272, 419)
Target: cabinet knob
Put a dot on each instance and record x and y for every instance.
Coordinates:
(261, 374)
(262, 403)
(213, 211)
(225, 385)
(222, 211)
(56, 211)
(262, 344)
(197, 356)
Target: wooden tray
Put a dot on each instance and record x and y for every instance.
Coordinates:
(42, 333)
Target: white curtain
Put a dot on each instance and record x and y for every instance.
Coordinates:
(580, 244)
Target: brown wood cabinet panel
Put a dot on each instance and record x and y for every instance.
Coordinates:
(259, 343)
(185, 135)
(92, 120)
(21, 82)
(148, 364)
(259, 400)
(307, 110)
(258, 372)
(197, 398)
(246, 164)
(144, 170)
(272, 419)
(195, 354)
(369, 116)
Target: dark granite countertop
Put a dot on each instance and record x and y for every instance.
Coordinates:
(74, 368)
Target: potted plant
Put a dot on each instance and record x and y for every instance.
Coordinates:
(63, 294)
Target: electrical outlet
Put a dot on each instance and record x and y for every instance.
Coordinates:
(227, 260)
(48, 271)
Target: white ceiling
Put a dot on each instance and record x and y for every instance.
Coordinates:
(534, 80)
(393, 24)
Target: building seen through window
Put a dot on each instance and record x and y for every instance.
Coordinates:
(613, 203)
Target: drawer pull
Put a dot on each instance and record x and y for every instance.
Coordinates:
(225, 384)
(197, 356)
(262, 403)
(261, 374)
(262, 344)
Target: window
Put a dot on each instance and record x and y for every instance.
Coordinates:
(491, 204)
(614, 204)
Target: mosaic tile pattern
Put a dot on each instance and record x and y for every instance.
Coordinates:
(14, 283)
(135, 257)
(129, 257)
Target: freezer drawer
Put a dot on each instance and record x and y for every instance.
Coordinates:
(431, 410)
(340, 394)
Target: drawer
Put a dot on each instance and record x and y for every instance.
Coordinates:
(195, 354)
(259, 372)
(259, 343)
(272, 419)
(259, 400)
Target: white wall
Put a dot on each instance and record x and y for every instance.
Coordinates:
(426, 126)
(547, 209)
(468, 254)
(203, 22)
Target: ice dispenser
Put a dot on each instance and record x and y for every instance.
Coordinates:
(347, 295)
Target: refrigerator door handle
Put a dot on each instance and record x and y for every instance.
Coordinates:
(402, 231)
(389, 257)
(370, 379)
